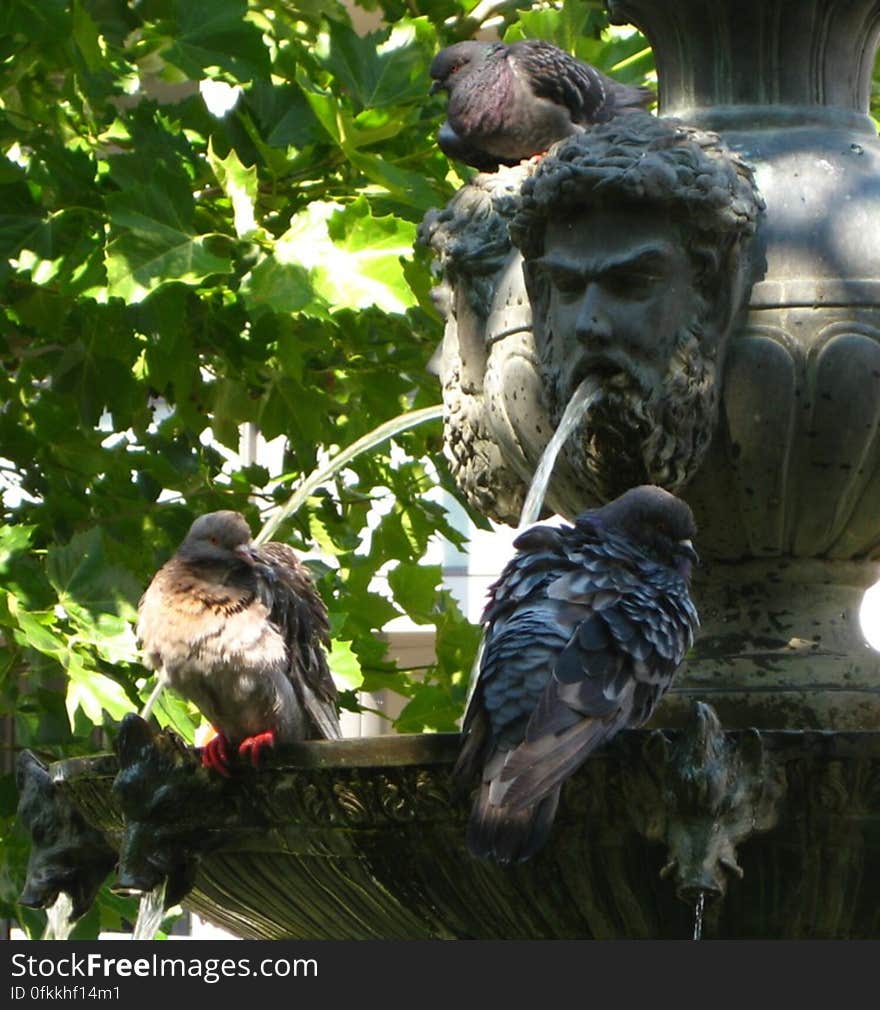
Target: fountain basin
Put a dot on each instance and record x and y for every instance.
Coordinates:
(364, 839)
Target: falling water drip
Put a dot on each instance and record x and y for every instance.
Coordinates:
(59, 924)
(698, 915)
(587, 394)
(150, 913)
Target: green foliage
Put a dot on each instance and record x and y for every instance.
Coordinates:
(166, 269)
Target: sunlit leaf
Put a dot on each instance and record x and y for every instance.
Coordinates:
(415, 589)
(383, 68)
(354, 258)
(345, 666)
(94, 694)
(433, 709)
(277, 286)
(37, 631)
(216, 34)
(81, 573)
(240, 185)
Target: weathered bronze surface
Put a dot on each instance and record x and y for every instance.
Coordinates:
(161, 791)
(622, 256)
(364, 839)
(67, 853)
(768, 424)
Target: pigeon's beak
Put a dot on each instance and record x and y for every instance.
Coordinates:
(247, 553)
(686, 549)
(437, 86)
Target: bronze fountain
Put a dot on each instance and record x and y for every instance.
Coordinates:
(717, 273)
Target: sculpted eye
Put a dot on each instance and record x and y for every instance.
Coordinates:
(633, 285)
(567, 283)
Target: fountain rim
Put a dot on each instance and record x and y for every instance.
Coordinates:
(751, 117)
(421, 749)
(384, 751)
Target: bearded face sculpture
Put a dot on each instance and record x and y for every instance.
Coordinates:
(628, 260)
(619, 305)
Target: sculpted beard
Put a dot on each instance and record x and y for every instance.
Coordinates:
(636, 435)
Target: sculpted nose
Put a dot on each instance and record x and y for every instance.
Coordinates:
(593, 324)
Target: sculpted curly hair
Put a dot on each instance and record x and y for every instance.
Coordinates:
(643, 160)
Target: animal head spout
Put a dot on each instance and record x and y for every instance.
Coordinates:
(67, 855)
(711, 791)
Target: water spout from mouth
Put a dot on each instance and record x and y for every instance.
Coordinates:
(584, 398)
(59, 920)
(151, 911)
(699, 906)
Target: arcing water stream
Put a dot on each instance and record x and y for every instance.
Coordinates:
(583, 399)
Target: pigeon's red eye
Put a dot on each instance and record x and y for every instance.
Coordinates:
(214, 540)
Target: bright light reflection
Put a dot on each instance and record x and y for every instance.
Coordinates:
(219, 96)
(869, 616)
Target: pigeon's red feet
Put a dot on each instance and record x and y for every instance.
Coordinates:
(253, 746)
(215, 755)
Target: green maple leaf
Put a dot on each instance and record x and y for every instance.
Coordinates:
(153, 241)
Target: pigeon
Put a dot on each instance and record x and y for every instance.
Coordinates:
(583, 632)
(240, 631)
(508, 103)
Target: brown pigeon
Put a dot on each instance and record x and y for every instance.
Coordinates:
(511, 102)
(583, 633)
(240, 630)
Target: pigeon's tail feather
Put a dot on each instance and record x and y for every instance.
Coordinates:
(467, 765)
(324, 717)
(534, 769)
(626, 97)
(509, 836)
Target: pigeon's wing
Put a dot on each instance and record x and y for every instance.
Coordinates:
(559, 77)
(612, 671)
(513, 616)
(524, 631)
(518, 654)
(542, 556)
(588, 94)
(298, 610)
(624, 98)
(586, 700)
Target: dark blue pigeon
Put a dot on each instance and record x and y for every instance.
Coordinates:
(511, 102)
(584, 630)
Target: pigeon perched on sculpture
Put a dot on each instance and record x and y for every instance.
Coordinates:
(508, 103)
(240, 630)
(583, 632)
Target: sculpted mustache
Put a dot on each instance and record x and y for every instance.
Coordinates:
(614, 377)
